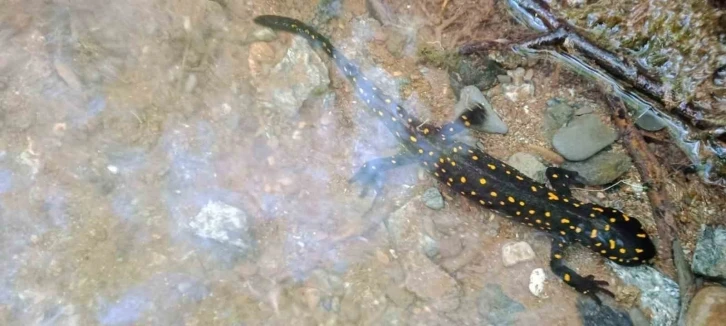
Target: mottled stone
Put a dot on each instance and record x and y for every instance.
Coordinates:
(658, 293)
(432, 199)
(709, 259)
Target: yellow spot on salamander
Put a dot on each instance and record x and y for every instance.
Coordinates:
(481, 202)
(420, 151)
(473, 193)
(547, 214)
(467, 123)
(558, 256)
(494, 194)
(510, 199)
(475, 158)
(642, 235)
(538, 221)
(563, 232)
(565, 221)
(492, 166)
(593, 233)
(441, 160)
(613, 220)
(612, 244)
(534, 189)
(413, 139)
(612, 258)
(578, 230)
(622, 250)
(483, 181)
(567, 277)
(463, 179)
(521, 203)
(508, 172)
(598, 209)
(638, 250)
(519, 178)
(607, 227)
(598, 244)
(426, 131)
(555, 176)
(603, 251)
(552, 196)
(626, 218)
(531, 212)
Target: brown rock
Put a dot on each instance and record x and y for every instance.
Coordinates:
(708, 307)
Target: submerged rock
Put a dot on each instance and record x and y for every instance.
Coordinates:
(299, 75)
(493, 123)
(583, 137)
(659, 294)
(469, 73)
(513, 253)
(223, 223)
(708, 307)
(432, 199)
(496, 307)
(529, 165)
(593, 314)
(709, 259)
(602, 168)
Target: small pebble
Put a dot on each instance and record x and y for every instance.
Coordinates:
(113, 169)
(536, 282)
(432, 199)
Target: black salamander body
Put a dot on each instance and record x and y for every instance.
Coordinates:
(490, 182)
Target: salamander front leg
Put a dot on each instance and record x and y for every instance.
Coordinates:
(562, 180)
(587, 285)
(372, 173)
(472, 116)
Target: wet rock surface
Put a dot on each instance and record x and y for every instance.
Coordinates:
(583, 137)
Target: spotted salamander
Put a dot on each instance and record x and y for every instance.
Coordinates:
(487, 181)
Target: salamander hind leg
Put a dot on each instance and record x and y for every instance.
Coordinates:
(371, 175)
(561, 180)
(587, 285)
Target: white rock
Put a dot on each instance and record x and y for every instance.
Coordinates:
(223, 223)
(513, 253)
(536, 282)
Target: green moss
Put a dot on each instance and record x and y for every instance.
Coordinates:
(438, 58)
